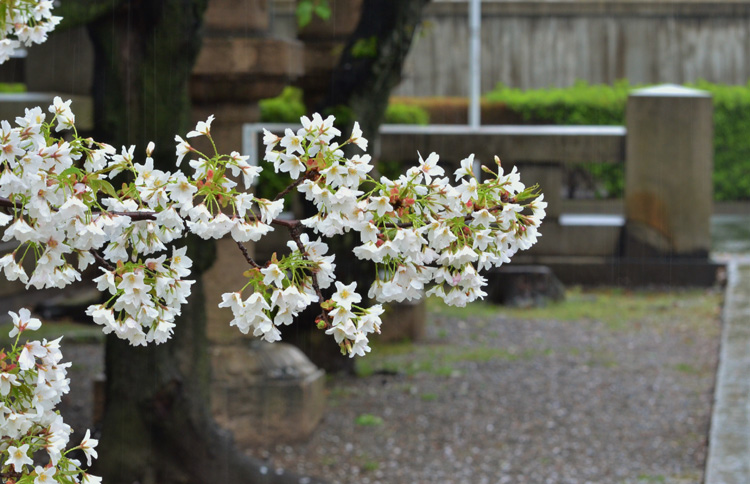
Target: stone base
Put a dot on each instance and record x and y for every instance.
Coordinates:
(266, 393)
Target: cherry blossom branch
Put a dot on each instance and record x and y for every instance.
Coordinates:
(245, 253)
(148, 215)
(294, 233)
(467, 218)
(308, 174)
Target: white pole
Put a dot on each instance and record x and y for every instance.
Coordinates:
(475, 21)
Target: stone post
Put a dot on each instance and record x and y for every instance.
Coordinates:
(668, 167)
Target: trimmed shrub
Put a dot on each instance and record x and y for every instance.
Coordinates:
(12, 87)
(731, 140)
(287, 107)
(406, 114)
(605, 105)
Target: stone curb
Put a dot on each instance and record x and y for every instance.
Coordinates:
(728, 459)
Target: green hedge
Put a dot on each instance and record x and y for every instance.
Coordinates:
(406, 114)
(603, 104)
(287, 107)
(12, 87)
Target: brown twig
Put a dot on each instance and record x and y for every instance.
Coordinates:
(101, 261)
(5, 202)
(245, 253)
(308, 174)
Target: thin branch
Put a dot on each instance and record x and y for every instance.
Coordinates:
(308, 174)
(5, 202)
(245, 253)
(102, 262)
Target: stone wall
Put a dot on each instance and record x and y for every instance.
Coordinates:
(537, 44)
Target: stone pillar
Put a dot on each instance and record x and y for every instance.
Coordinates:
(668, 168)
(239, 64)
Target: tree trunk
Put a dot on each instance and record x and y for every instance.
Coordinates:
(371, 63)
(157, 426)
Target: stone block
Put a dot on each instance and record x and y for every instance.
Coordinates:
(633, 272)
(235, 88)
(524, 286)
(576, 240)
(403, 322)
(232, 70)
(249, 56)
(237, 15)
(266, 393)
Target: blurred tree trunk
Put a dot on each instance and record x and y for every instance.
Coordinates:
(157, 426)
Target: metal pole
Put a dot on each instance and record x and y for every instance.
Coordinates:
(475, 21)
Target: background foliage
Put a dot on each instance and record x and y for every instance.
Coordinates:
(576, 105)
(603, 104)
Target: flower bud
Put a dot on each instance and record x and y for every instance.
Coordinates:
(150, 148)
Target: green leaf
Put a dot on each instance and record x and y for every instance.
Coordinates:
(365, 48)
(304, 12)
(71, 171)
(323, 11)
(107, 188)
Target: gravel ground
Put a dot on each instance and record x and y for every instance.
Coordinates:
(499, 396)
(516, 400)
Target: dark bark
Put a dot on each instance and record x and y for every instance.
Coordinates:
(371, 63)
(79, 13)
(157, 425)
